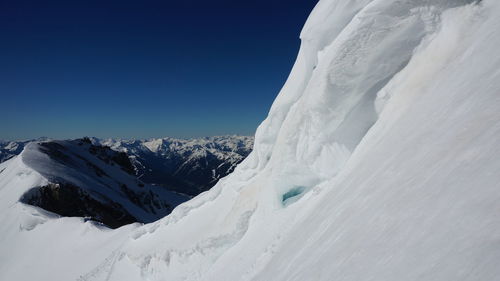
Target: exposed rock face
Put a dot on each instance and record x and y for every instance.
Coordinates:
(329, 192)
(120, 182)
(72, 201)
(94, 181)
(188, 166)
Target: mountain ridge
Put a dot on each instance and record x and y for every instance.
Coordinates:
(378, 161)
(93, 181)
(189, 166)
(81, 173)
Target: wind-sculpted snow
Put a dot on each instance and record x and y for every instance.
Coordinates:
(378, 161)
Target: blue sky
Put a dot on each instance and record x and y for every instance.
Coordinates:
(140, 69)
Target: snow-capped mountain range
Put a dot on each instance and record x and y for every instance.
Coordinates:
(378, 161)
(117, 182)
(187, 166)
(9, 149)
(92, 181)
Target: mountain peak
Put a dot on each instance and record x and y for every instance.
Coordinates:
(93, 181)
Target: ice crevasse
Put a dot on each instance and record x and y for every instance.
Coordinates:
(378, 160)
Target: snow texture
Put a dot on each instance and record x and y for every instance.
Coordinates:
(388, 126)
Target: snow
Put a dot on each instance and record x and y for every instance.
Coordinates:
(164, 145)
(186, 165)
(388, 126)
(36, 245)
(77, 165)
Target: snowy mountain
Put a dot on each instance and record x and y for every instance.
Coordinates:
(189, 166)
(378, 160)
(9, 149)
(86, 180)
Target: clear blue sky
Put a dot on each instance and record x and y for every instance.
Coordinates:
(140, 69)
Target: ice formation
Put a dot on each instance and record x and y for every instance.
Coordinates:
(388, 126)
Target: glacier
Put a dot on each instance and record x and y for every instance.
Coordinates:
(378, 160)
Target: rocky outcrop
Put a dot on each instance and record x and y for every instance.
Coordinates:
(95, 182)
(69, 200)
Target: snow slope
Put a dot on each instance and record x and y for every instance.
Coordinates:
(9, 149)
(94, 181)
(37, 245)
(378, 161)
(188, 166)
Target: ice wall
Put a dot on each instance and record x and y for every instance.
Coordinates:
(352, 57)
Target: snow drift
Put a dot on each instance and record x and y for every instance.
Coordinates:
(379, 160)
